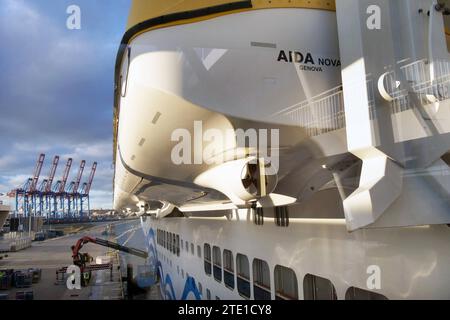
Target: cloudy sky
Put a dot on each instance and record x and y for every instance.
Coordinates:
(56, 93)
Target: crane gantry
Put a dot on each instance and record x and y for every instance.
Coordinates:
(54, 200)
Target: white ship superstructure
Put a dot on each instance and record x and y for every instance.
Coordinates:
(288, 149)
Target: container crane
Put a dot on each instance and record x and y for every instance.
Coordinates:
(51, 175)
(59, 193)
(46, 187)
(62, 185)
(34, 193)
(86, 188)
(72, 193)
(37, 173)
(28, 190)
(40, 195)
(45, 197)
(79, 175)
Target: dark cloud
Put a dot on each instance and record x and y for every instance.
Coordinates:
(57, 87)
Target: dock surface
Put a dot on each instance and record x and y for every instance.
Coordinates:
(53, 254)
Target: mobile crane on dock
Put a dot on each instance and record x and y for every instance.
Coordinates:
(83, 260)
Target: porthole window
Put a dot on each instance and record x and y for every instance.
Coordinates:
(243, 275)
(261, 280)
(178, 245)
(208, 294)
(199, 252)
(286, 287)
(318, 288)
(192, 249)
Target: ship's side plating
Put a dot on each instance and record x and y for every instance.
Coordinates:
(412, 262)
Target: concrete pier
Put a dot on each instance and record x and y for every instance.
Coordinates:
(53, 254)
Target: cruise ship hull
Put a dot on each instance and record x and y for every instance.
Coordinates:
(405, 263)
(334, 220)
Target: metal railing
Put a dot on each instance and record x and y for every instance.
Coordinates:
(322, 113)
(325, 112)
(318, 115)
(418, 76)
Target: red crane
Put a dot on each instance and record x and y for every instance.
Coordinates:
(62, 186)
(51, 175)
(83, 260)
(79, 175)
(87, 186)
(37, 173)
(77, 247)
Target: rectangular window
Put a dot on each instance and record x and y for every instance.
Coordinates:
(228, 269)
(261, 280)
(207, 254)
(174, 244)
(178, 245)
(286, 287)
(164, 239)
(170, 242)
(217, 264)
(354, 293)
(243, 275)
(318, 288)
